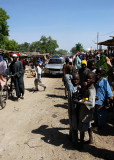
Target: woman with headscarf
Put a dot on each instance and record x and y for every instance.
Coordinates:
(3, 67)
(103, 63)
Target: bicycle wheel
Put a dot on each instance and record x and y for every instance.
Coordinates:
(11, 90)
(4, 96)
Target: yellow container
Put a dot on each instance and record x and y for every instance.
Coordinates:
(84, 99)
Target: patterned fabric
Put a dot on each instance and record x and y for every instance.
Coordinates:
(78, 63)
(103, 63)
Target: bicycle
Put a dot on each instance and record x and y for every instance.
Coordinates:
(6, 91)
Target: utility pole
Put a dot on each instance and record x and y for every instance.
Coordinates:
(97, 39)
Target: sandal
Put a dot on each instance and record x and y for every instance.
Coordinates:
(18, 99)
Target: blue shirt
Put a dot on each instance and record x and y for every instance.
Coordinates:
(103, 91)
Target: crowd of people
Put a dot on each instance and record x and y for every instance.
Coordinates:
(89, 87)
(16, 70)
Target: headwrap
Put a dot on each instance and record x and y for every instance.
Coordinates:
(14, 55)
(39, 60)
(84, 62)
(3, 65)
(1, 58)
(103, 63)
(70, 60)
(78, 63)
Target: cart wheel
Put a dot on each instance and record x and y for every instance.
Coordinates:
(4, 96)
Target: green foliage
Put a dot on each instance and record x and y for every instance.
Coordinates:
(4, 32)
(73, 50)
(23, 47)
(48, 45)
(51, 45)
(44, 45)
(3, 15)
(61, 52)
(77, 48)
(6, 55)
(11, 45)
(103, 63)
(34, 47)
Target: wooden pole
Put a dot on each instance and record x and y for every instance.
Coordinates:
(97, 39)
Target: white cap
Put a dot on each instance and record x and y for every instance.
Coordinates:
(70, 59)
(14, 55)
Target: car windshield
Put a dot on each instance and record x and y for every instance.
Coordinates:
(55, 61)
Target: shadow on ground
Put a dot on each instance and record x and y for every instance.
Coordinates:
(55, 137)
(12, 98)
(108, 129)
(51, 76)
(56, 96)
(64, 121)
(60, 88)
(30, 89)
(33, 90)
(65, 105)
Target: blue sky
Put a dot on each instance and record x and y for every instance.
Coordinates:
(67, 21)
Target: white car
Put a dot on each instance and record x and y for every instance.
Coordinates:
(54, 66)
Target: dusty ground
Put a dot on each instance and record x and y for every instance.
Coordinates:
(36, 128)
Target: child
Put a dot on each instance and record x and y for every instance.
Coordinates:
(67, 69)
(103, 91)
(87, 108)
(38, 81)
(72, 82)
(92, 67)
(83, 71)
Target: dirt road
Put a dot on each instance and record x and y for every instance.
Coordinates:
(36, 128)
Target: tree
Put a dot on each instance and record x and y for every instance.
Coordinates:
(62, 52)
(51, 46)
(35, 46)
(24, 47)
(78, 48)
(73, 50)
(4, 32)
(10, 44)
(43, 44)
(48, 45)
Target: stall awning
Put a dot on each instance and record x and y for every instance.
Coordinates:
(109, 42)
